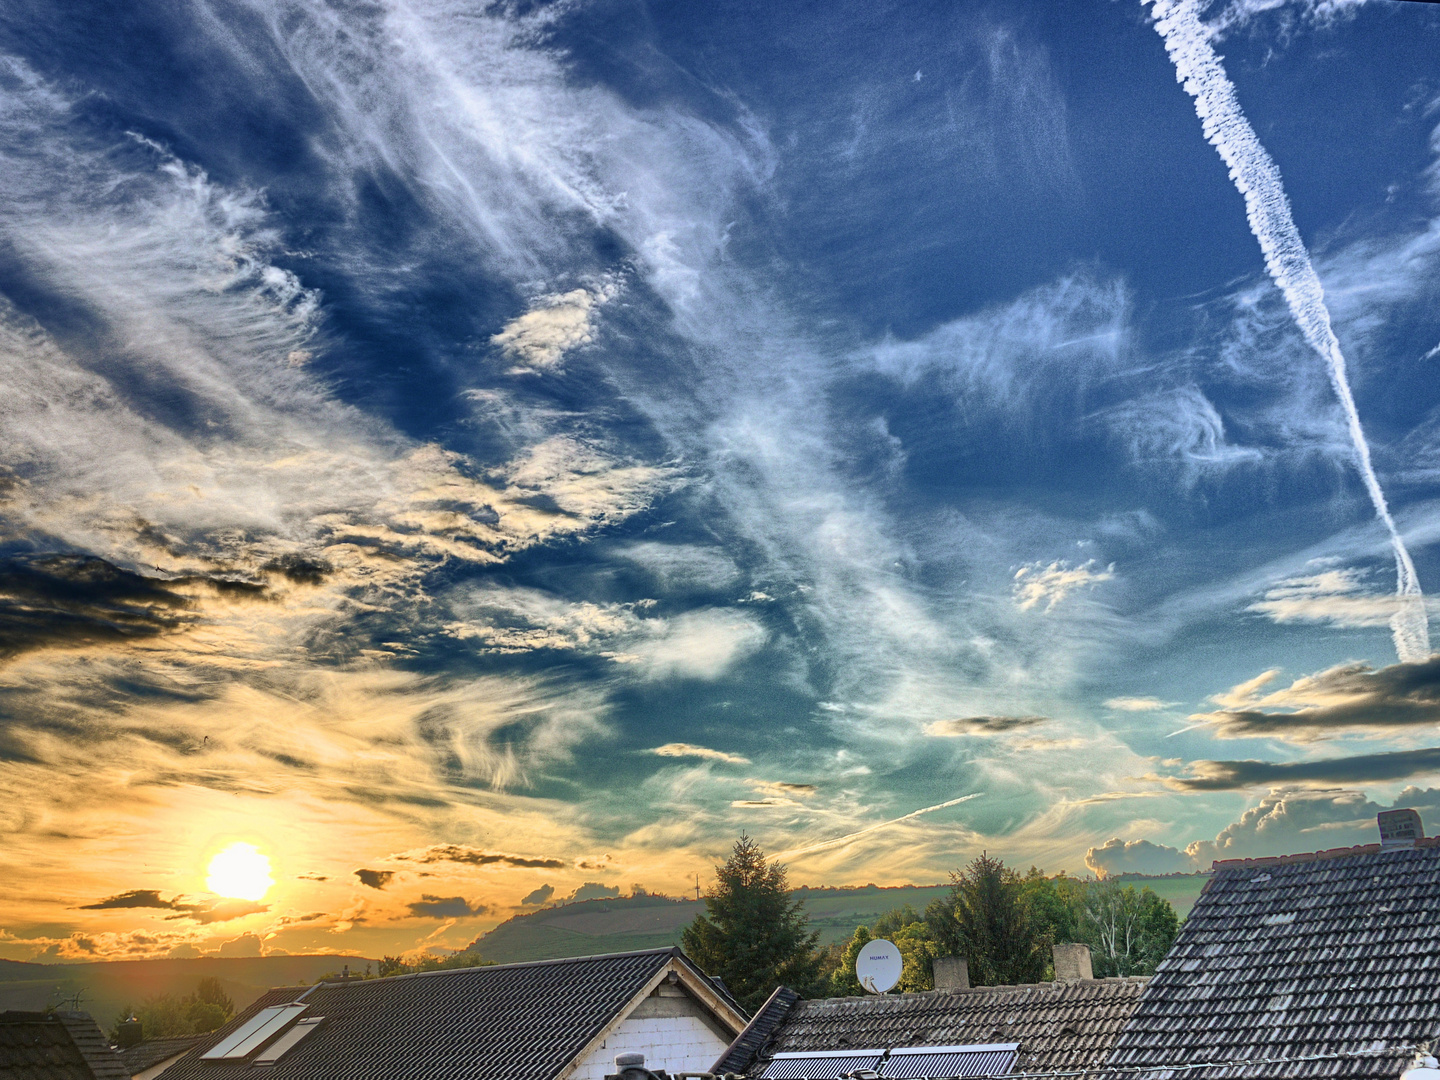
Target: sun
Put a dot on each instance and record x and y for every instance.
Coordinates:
(240, 871)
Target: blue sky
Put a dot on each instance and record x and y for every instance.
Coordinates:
(504, 449)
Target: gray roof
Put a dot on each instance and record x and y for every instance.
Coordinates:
(55, 1046)
(1323, 955)
(1058, 1025)
(507, 1022)
(151, 1052)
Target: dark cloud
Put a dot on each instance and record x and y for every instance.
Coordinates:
(445, 907)
(983, 725)
(313, 877)
(594, 890)
(67, 599)
(1349, 697)
(799, 789)
(1361, 769)
(300, 570)
(469, 856)
(376, 879)
(75, 599)
(218, 911)
(539, 896)
(135, 898)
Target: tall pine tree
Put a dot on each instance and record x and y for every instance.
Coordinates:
(753, 935)
(986, 920)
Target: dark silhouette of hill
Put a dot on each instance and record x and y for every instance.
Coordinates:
(106, 988)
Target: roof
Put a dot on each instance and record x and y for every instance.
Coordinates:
(508, 1022)
(55, 1046)
(1058, 1025)
(151, 1052)
(747, 1044)
(1326, 955)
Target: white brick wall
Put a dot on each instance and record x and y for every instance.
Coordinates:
(673, 1043)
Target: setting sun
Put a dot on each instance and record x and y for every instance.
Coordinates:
(240, 871)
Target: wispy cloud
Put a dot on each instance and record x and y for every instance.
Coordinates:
(1198, 68)
(1039, 583)
(690, 750)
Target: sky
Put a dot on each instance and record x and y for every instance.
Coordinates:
(456, 458)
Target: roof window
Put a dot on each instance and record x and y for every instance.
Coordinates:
(287, 1042)
(254, 1033)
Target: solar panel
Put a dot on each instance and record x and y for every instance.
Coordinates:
(820, 1064)
(286, 1042)
(253, 1034)
(981, 1059)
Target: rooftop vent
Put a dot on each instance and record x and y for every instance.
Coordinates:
(952, 973)
(1399, 829)
(1072, 963)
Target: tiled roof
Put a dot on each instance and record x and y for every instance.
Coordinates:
(55, 1046)
(1058, 1025)
(508, 1022)
(747, 1044)
(1329, 954)
(151, 1052)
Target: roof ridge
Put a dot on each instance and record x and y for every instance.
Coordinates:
(1316, 856)
(668, 950)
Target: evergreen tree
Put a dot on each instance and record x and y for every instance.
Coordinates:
(986, 920)
(753, 935)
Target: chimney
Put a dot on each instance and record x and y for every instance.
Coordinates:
(952, 973)
(129, 1033)
(1072, 963)
(1399, 829)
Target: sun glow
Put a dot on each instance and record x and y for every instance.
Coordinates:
(240, 871)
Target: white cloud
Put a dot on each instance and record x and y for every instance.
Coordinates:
(698, 644)
(555, 324)
(1137, 704)
(1334, 597)
(690, 750)
(1038, 583)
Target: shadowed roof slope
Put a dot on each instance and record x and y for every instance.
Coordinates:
(151, 1052)
(1306, 955)
(1058, 1025)
(510, 1022)
(55, 1046)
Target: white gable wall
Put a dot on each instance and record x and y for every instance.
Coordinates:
(669, 1028)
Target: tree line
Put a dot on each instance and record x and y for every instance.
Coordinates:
(755, 934)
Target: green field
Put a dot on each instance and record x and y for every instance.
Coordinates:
(106, 988)
(647, 922)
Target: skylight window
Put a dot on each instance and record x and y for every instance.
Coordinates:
(288, 1041)
(254, 1033)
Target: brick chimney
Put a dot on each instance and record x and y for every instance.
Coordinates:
(1072, 963)
(952, 973)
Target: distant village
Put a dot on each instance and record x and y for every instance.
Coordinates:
(1299, 965)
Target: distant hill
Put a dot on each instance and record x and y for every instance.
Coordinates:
(106, 988)
(648, 922)
(1182, 890)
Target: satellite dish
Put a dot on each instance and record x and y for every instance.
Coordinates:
(878, 965)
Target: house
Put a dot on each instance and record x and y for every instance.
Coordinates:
(149, 1058)
(1317, 965)
(55, 1046)
(550, 1020)
(953, 1031)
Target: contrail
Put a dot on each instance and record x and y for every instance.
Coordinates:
(1268, 209)
(874, 828)
(1432, 354)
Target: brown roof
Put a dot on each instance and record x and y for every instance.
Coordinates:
(1058, 1025)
